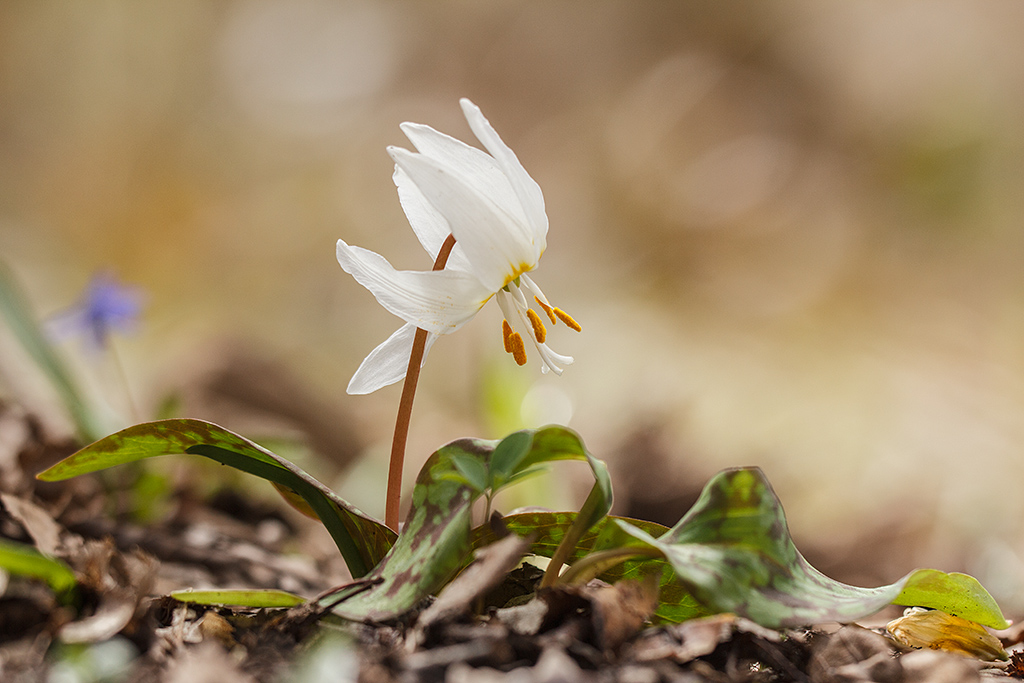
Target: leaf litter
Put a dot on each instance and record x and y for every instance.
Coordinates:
(482, 626)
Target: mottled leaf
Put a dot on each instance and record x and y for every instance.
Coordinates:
(363, 541)
(433, 543)
(733, 552)
(435, 539)
(548, 530)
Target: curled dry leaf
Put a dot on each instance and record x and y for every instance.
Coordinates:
(929, 666)
(622, 609)
(695, 638)
(492, 563)
(855, 654)
(936, 630)
(37, 522)
(120, 580)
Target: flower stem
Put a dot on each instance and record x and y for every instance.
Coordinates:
(412, 376)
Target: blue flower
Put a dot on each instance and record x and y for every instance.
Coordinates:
(107, 305)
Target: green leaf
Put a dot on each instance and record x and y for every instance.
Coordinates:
(507, 456)
(239, 598)
(14, 307)
(362, 540)
(24, 560)
(733, 552)
(472, 470)
(958, 594)
(549, 529)
(435, 540)
(560, 443)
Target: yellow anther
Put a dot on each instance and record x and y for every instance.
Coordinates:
(547, 309)
(567, 319)
(506, 335)
(518, 350)
(540, 333)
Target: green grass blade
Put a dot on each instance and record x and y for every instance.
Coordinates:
(19, 559)
(362, 540)
(15, 309)
(240, 598)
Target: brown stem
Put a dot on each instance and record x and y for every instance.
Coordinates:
(412, 376)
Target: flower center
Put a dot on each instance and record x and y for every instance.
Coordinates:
(520, 312)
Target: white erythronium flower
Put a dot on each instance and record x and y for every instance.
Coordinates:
(495, 210)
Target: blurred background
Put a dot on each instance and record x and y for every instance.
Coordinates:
(791, 232)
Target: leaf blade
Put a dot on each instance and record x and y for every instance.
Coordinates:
(733, 552)
(362, 540)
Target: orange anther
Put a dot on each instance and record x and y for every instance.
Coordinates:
(506, 335)
(547, 309)
(540, 333)
(518, 348)
(567, 319)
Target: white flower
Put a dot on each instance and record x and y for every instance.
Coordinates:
(495, 210)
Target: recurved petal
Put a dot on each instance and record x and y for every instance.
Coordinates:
(498, 246)
(526, 188)
(438, 301)
(387, 363)
(430, 226)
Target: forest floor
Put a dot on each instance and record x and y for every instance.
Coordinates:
(488, 625)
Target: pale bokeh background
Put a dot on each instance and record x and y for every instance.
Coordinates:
(791, 231)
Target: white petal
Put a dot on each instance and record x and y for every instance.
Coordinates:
(475, 166)
(387, 363)
(526, 188)
(497, 245)
(438, 301)
(429, 225)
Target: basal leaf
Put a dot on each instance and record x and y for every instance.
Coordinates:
(560, 443)
(24, 560)
(733, 552)
(958, 594)
(548, 530)
(507, 456)
(363, 541)
(473, 471)
(435, 540)
(240, 598)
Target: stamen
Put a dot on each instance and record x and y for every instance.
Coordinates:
(547, 309)
(540, 333)
(506, 334)
(567, 319)
(518, 348)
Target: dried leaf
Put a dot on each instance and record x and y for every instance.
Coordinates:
(36, 521)
(936, 630)
(491, 565)
(930, 666)
(621, 610)
(854, 654)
